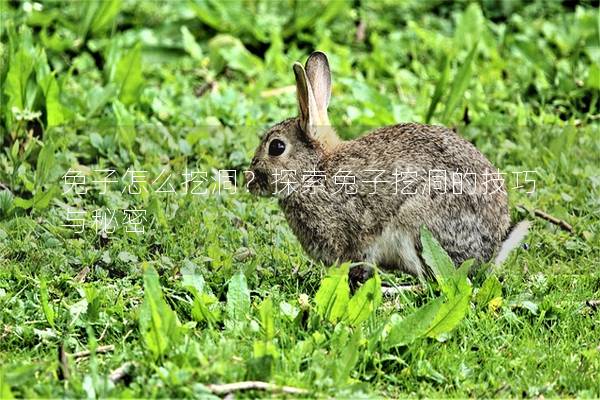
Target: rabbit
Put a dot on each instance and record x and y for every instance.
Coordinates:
(370, 221)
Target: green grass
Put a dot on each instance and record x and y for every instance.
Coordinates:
(175, 85)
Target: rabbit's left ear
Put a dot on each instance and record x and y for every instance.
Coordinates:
(307, 105)
(313, 89)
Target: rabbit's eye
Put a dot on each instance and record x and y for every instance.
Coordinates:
(276, 147)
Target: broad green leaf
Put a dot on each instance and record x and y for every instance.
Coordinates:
(312, 11)
(364, 302)
(128, 75)
(54, 110)
(534, 53)
(469, 26)
(440, 316)
(15, 84)
(206, 308)
(250, 21)
(413, 326)
(159, 325)
(105, 15)
(99, 97)
(238, 298)
(23, 203)
(226, 50)
(43, 197)
(265, 311)
(209, 12)
(438, 260)
(191, 278)
(333, 294)
(490, 290)
(152, 324)
(263, 348)
(45, 163)
(349, 356)
(260, 366)
(289, 310)
(46, 306)
(525, 304)
(459, 85)
(16, 376)
(55, 114)
(14, 150)
(275, 56)
(5, 392)
(125, 125)
(593, 79)
(449, 315)
(461, 281)
(190, 45)
(77, 309)
(94, 300)
(6, 204)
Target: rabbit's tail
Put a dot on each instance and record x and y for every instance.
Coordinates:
(512, 241)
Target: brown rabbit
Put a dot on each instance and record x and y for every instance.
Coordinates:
(387, 193)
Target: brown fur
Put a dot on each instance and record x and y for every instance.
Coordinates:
(383, 228)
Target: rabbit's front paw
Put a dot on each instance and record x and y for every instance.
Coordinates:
(358, 275)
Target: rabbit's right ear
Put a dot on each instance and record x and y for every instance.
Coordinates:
(306, 101)
(313, 118)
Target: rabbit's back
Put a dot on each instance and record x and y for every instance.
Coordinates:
(410, 145)
(434, 177)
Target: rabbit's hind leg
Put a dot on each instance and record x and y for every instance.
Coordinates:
(395, 249)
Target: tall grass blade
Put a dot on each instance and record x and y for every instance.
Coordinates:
(459, 85)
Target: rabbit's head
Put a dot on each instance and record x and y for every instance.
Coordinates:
(297, 144)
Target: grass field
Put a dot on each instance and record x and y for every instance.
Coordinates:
(216, 289)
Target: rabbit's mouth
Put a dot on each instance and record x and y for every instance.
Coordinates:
(258, 183)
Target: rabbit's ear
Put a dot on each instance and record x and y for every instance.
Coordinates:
(306, 100)
(319, 76)
(314, 123)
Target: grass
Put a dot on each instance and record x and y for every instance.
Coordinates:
(150, 86)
